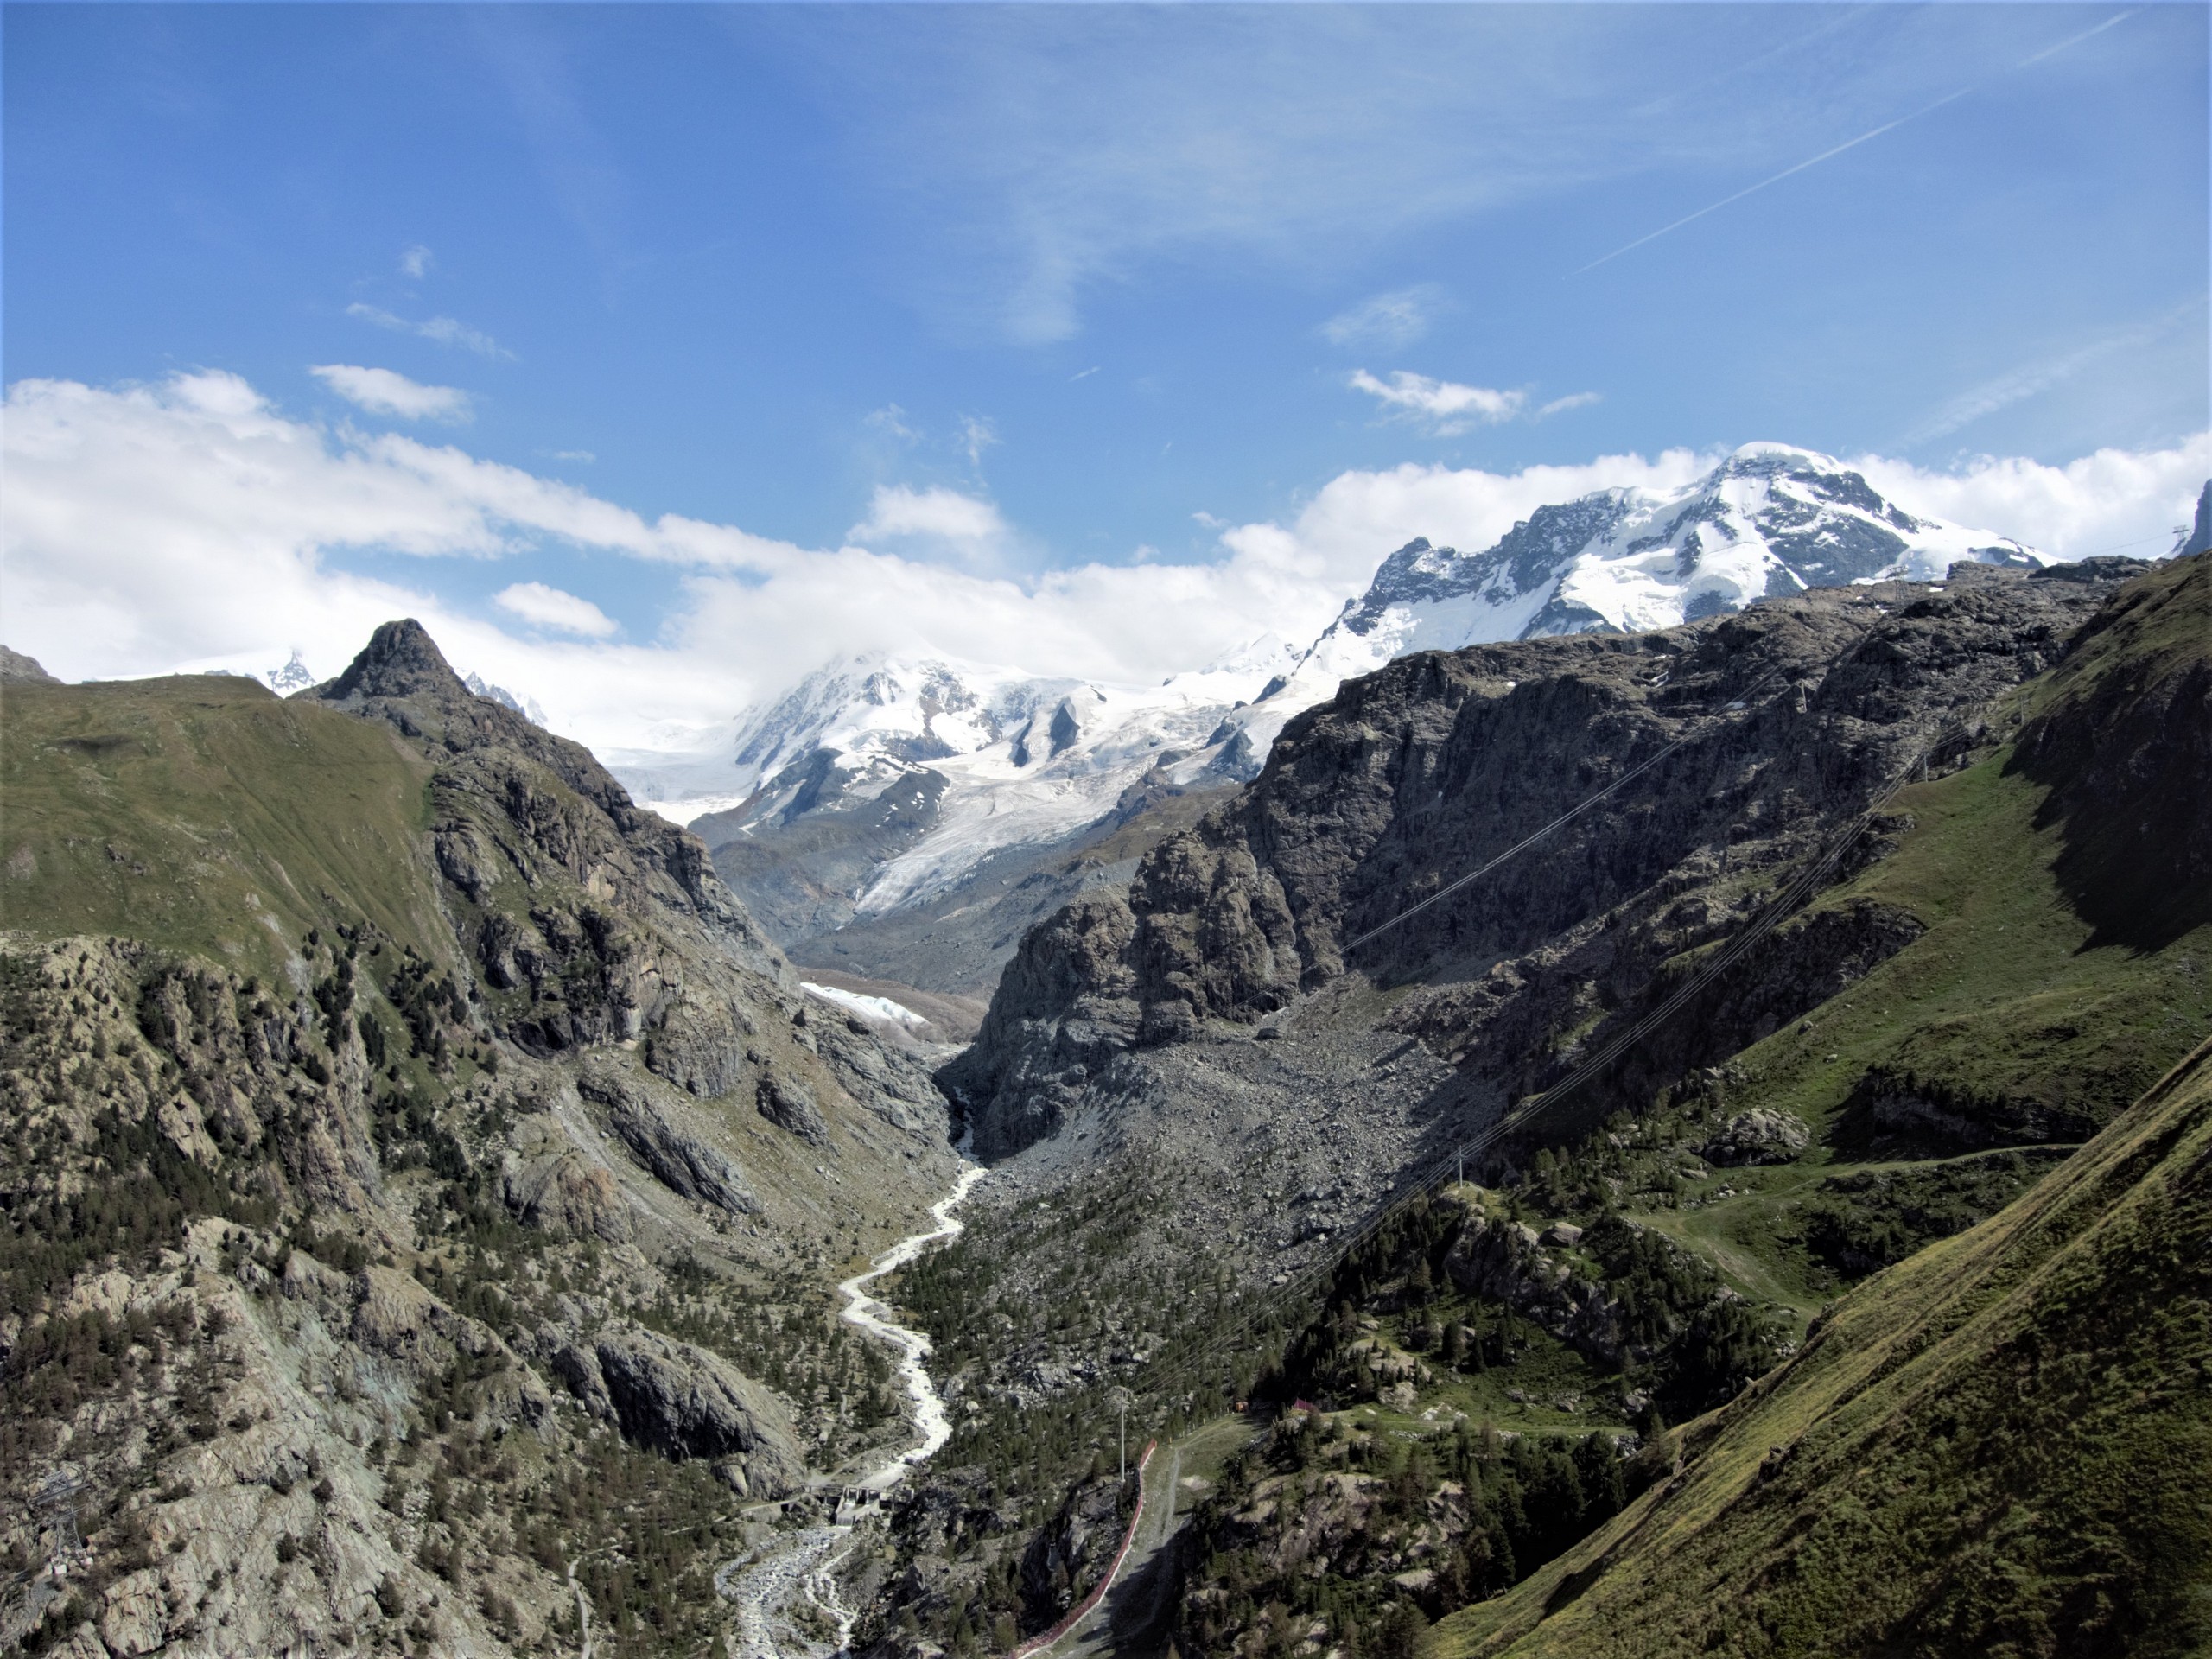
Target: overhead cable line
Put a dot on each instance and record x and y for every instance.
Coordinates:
(1575, 811)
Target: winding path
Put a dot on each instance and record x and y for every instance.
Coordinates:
(801, 1567)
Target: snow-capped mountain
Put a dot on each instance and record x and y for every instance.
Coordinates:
(499, 694)
(1768, 520)
(879, 781)
(295, 675)
(935, 763)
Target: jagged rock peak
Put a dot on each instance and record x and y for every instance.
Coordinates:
(400, 660)
(2199, 537)
(16, 668)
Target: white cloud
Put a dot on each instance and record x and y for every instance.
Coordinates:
(2124, 501)
(190, 524)
(383, 392)
(415, 261)
(549, 607)
(1573, 400)
(446, 331)
(968, 524)
(1386, 322)
(1447, 407)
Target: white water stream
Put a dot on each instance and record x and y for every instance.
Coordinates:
(802, 1565)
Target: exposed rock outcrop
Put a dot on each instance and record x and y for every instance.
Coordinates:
(16, 668)
(1072, 1552)
(683, 1402)
(1506, 1262)
(679, 1153)
(550, 1185)
(1759, 1136)
(785, 1103)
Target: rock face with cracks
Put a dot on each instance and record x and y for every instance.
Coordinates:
(683, 1402)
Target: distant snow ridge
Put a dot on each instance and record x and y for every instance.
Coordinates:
(937, 763)
(985, 758)
(499, 694)
(878, 1007)
(1768, 520)
(295, 675)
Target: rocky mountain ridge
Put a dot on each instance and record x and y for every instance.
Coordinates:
(1428, 768)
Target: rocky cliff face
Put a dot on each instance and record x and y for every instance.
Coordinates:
(1789, 718)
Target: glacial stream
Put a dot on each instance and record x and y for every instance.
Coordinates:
(800, 1568)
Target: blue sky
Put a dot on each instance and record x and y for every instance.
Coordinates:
(1106, 279)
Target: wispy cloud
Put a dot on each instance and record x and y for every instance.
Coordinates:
(1035, 156)
(2040, 375)
(1831, 153)
(1573, 400)
(550, 609)
(536, 63)
(978, 434)
(446, 331)
(891, 421)
(1386, 322)
(1445, 407)
(383, 392)
(1448, 408)
(1047, 153)
(415, 261)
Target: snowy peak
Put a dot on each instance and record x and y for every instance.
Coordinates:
(1769, 519)
(935, 763)
(914, 712)
(295, 675)
(499, 694)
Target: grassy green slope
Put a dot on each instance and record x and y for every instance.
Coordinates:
(2028, 1003)
(2007, 1001)
(203, 814)
(1999, 1446)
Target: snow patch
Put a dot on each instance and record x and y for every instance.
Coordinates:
(876, 1008)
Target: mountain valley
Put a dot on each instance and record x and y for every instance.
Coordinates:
(1688, 1119)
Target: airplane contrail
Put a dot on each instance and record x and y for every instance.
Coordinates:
(1854, 144)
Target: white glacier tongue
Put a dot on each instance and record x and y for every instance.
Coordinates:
(897, 775)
